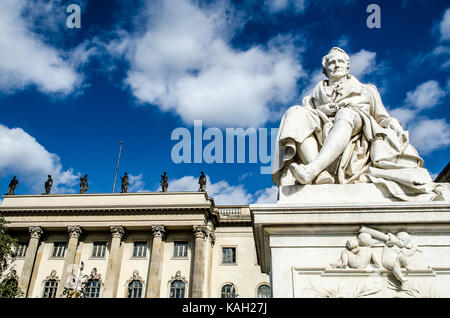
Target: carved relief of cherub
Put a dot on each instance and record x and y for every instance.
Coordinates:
(359, 253)
(397, 250)
(396, 253)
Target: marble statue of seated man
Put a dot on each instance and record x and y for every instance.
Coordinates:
(343, 134)
(359, 253)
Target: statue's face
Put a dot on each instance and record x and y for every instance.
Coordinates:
(336, 66)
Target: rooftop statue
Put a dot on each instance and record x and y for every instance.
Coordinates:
(125, 183)
(343, 134)
(202, 182)
(48, 184)
(12, 186)
(164, 183)
(84, 184)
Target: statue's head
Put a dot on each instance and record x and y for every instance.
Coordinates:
(365, 239)
(404, 239)
(336, 63)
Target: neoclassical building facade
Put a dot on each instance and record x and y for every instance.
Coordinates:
(135, 245)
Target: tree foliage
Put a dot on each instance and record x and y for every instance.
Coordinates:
(8, 246)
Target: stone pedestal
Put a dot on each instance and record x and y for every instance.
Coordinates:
(297, 240)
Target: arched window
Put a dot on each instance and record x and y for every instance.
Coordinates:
(93, 288)
(135, 289)
(228, 291)
(51, 285)
(135, 285)
(263, 291)
(177, 289)
(50, 288)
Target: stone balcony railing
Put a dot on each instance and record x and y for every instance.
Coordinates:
(233, 213)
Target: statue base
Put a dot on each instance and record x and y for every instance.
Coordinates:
(339, 193)
(296, 243)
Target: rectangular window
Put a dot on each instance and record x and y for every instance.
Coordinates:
(228, 255)
(99, 249)
(180, 249)
(140, 249)
(22, 249)
(59, 249)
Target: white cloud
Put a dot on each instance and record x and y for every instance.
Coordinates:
(403, 114)
(268, 195)
(222, 191)
(23, 156)
(426, 95)
(430, 134)
(25, 59)
(136, 183)
(362, 63)
(274, 6)
(186, 65)
(444, 26)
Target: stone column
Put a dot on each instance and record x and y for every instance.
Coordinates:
(114, 262)
(200, 232)
(69, 262)
(30, 256)
(154, 269)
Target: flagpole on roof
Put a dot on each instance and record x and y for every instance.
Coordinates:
(117, 169)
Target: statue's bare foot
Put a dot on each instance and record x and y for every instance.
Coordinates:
(324, 178)
(301, 173)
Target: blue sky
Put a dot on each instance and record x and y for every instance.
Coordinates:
(137, 70)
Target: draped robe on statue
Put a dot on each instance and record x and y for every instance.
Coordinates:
(374, 154)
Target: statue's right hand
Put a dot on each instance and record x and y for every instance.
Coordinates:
(329, 108)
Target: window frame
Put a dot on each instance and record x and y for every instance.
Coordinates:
(95, 247)
(96, 288)
(174, 288)
(134, 254)
(21, 251)
(56, 245)
(263, 285)
(222, 292)
(53, 287)
(131, 289)
(175, 249)
(235, 262)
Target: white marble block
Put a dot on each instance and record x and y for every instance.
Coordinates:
(302, 247)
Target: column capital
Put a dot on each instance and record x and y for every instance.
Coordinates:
(117, 231)
(158, 230)
(35, 231)
(200, 231)
(74, 231)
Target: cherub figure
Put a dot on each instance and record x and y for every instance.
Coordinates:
(359, 253)
(397, 252)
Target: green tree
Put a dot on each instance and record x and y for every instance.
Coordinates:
(8, 245)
